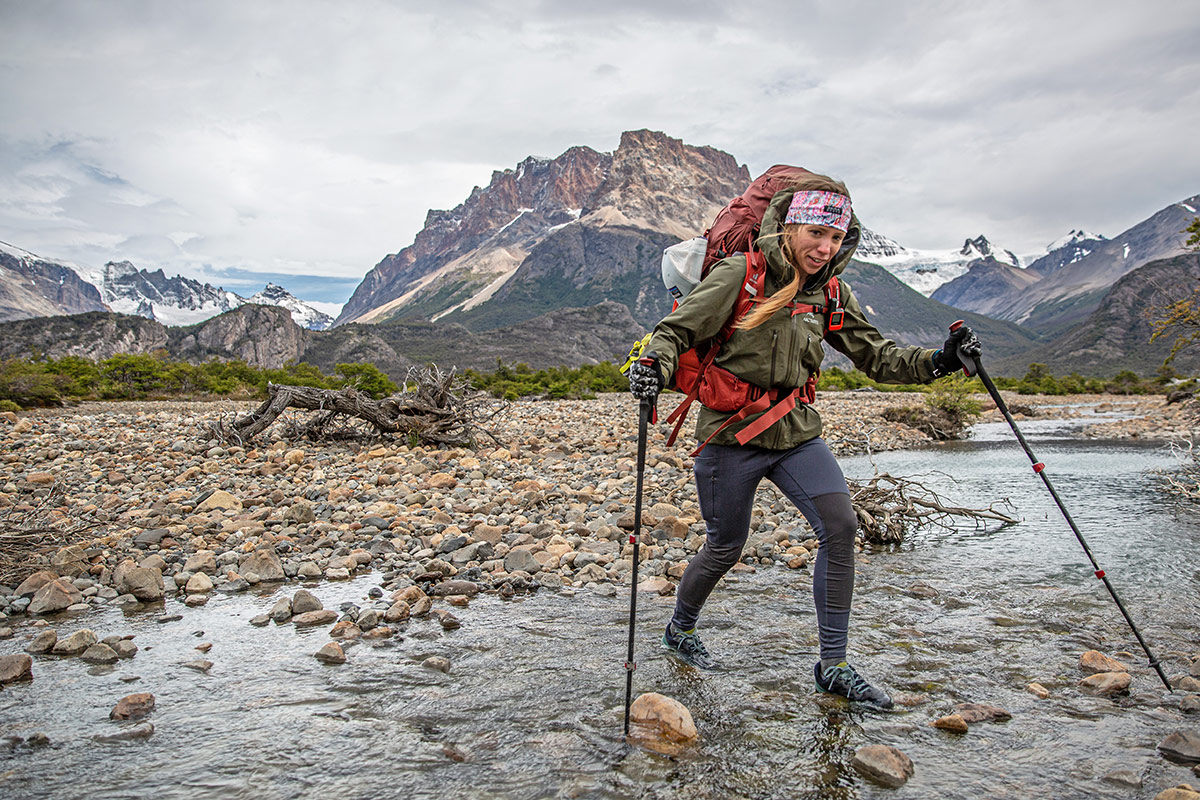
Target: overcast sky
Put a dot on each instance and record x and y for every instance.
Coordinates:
(302, 141)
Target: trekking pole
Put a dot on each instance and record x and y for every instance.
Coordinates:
(972, 366)
(645, 409)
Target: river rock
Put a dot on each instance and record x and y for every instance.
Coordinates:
(345, 629)
(444, 588)
(125, 649)
(331, 653)
(1183, 791)
(657, 585)
(1186, 683)
(980, 712)
(1181, 746)
(661, 719)
(201, 561)
(198, 584)
(70, 561)
(219, 500)
(521, 561)
(952, 722)
(304, 601)
(421, 607)
(143, 730)
(15, 669)
(883, 764)
(1124, 777)
(200, 665)
(1190, 704)
(368, 619)
(1038, 691)
(37, 580)
(56, 595)
(133, 706)
(43, 643)
(397, 612)
(99, 653)
(264, 563)
(75, 644)
(281, 612)
(1094, 662)
(438, 663)
(322, 617)
(143, 583)
(1106, 684)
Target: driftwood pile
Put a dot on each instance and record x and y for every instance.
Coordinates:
(887, 506)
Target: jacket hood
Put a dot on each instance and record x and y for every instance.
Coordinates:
(778, 267)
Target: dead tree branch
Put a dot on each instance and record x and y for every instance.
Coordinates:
(29, 536)
(435, 408)
(887, 506)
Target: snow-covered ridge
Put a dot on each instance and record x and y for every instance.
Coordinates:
(304, 315)
(926, 270)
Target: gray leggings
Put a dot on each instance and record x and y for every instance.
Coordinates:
(726, 478)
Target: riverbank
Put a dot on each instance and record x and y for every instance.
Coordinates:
(546, 505)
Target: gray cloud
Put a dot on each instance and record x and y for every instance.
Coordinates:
(313, 137)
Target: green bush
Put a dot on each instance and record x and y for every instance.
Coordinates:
(515, 381)
(366, 378)
(9, 405)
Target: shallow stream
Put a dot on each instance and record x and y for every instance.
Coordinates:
(532, 705)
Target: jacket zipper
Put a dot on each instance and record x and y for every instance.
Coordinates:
(774, 353)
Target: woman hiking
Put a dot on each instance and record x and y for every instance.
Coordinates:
(808, 236)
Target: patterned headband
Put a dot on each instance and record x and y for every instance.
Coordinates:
(820, 208)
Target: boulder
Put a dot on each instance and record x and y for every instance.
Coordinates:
(883, 764)
(43, 643)
(304, 601)
(1181, 746)
(144, 583)
(323, 617)
(15, 669)
(99, 653)
(133, 706)
(444, 588)
(75, 644)
(1106, 684)
(263, 563)
(1093, 662)
(659, 720)
(57, 595)
(331, 653)
(281, 612)
(37, 580)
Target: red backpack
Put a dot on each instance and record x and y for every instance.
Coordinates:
(734, 230)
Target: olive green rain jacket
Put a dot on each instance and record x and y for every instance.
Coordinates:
(785, 350)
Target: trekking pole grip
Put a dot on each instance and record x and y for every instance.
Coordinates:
(970, 365)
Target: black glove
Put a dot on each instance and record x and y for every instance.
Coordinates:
(946, 360)
(645, 377)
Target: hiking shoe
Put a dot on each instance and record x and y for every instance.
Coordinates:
(844, 680)
(688, 647)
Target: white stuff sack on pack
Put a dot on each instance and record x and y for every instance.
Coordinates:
(681, 265)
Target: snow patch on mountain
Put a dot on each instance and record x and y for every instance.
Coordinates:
(303, 313)
(926, 270)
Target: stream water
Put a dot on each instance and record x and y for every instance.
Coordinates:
(532, 705)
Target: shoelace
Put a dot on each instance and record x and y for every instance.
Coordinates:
(692, 643)
(857, 682)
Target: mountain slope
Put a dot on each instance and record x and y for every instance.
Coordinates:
(32, 286)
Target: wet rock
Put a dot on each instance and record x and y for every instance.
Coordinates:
(444, 588)
(1106, 684)
(1181, 746)
(200, 665)
(6, 632)
(125, 649)
(1181, 792)
(421, 607)
(883, 764)
(980, 712)
(263, 563)
(1094, 662)
(193, 600)
(143, 730)
(15, 669)
(99, 653)
(1124, 777)
(57, 595)
(304, 601)
(952, 722)
(337, 574)
(368, 619)
(922, 591)
(397, 612)
(143, 583)
(261, 620)
(331, 653)
(281, 612)
(43, 643)
(1190, 704)
(133, 706)
(1038, 691)
(448, 621)
(75, 644)
(345, 629)
(1186, 683)
(322, 617)
(658, 722)
(37, 580)
(437, 663)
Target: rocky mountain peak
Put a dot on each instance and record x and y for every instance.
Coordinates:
(874, 245)
(980, 247)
